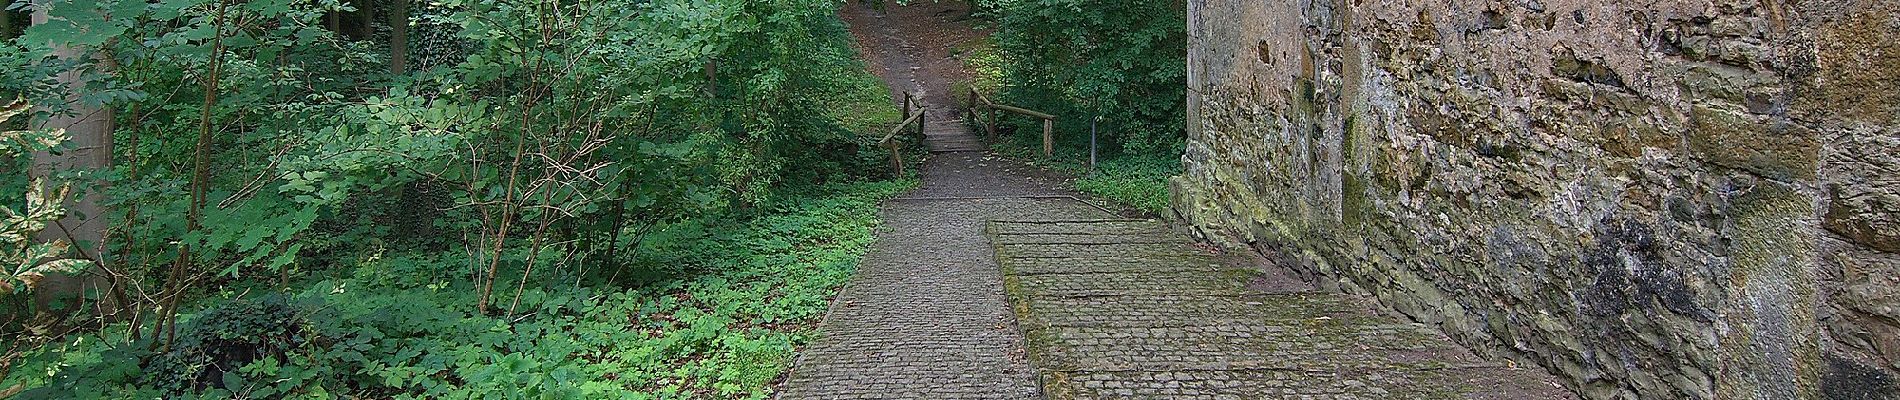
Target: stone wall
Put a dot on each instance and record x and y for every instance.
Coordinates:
(1658, 199)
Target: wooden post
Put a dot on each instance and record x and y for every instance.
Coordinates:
(1092, 123)
(920, 122)
(1048, 136)
(897, 159)
(970, 109)
(906, 108)
(991, 125)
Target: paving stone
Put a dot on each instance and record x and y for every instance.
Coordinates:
(1126, 309)
(1038, 266)
(1174, 309)
(1128, 283)
(925, 315)
(1086, 238)
(1098, 251)
(1096, 227)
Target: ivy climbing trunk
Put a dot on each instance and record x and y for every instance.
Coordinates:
(89, 128)
(398, 36)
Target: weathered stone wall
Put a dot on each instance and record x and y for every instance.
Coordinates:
(1658, 199)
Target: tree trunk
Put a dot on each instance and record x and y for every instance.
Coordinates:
(6, 20)
(398, 36)
(365, 20)
(200, 181)
(89, 128)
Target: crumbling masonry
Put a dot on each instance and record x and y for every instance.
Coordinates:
(1655, 199)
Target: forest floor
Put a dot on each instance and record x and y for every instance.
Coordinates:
(992, 281)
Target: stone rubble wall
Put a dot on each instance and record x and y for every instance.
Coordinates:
(1658, 199)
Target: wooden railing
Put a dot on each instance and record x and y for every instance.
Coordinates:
(896, 147)
(1048, 120)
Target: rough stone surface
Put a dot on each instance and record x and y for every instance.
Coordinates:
(1661, 199)
(1128, 309)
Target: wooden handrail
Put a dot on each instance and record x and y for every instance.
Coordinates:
(897, 154)
(900, 126)
(1048, 120)
(1023, 111)
(1010, 108)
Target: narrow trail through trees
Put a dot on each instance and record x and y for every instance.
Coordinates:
(925, 317)
(989, 282)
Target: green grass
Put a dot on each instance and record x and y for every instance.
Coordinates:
(865, 106)
(1137, 181)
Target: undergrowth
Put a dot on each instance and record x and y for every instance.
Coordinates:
(1135, 178)
(714, 307)
(1137, 181)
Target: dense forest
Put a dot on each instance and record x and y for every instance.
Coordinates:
(482, 199)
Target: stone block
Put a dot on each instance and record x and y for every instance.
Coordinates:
(1770, 147)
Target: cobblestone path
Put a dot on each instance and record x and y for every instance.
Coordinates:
(1128, 309)
(925, 317)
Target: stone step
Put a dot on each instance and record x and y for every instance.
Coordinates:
(1086, 238)
(1320, 346)
(1121, 309)
(1185, 282)
(1123, 227)
(1115, 251)
(1448, 383)
(1163, 310)
(1043, 266)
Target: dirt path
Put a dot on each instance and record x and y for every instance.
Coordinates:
(904, 44)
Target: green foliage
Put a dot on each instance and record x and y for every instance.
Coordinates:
(609, 199)
(566, 123)
(226, 338)
(740, 292)
(1117, 59)
(1080, 59)
(1140, 182)
(1136, 181)
(24, 261)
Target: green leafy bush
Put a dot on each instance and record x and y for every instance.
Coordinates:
(605, 199)
(743, 291)
(1118, 59)
(226, 337)
(1121, 61)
